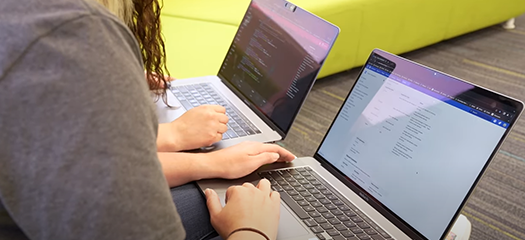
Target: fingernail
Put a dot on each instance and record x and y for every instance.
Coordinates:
(275, 156)
(207, 191)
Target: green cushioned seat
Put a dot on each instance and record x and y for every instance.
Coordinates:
(199, 32)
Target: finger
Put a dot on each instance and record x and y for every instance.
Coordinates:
(218, 108)
(275, 196)
(248, 185)
(222, 128)
(229, 193)
(265, 186)
(284, 155)
(213, 202)
(217, 138)
(223, 118)
(265, 158)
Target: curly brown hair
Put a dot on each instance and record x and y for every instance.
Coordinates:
(146, 26)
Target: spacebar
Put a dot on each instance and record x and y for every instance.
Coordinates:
(294, 206)
(187, 105)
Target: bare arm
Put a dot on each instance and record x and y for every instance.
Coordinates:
(230, 163)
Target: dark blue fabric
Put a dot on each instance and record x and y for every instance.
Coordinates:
(191, 205)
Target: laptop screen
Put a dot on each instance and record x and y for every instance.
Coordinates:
(415, 141)
(275, 57)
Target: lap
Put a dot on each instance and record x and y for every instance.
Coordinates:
(191, 206)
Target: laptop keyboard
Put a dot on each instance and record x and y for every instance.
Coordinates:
(321, 207)
(191, 96)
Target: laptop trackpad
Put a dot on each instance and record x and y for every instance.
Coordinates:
(289, 227)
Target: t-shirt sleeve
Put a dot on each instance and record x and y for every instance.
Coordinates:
(77, 142)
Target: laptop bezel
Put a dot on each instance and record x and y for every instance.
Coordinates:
(387, 213)
(248, 102)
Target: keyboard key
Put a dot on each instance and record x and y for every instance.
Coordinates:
(305, 194)
(343, 218)
(303, 203)
(316, 229)
(319, 196)
(297, 198)
(347, 234)
(334, 221)
(322, 210)
(308, 186)
(290, 179)
(344, 208)
(327, 215)
(295, 184)
(370, 231)
(350, 224)
(341, 238)
(309, 208)
(310, 199)
(332, 232)
(320, 220)
(363, 225)
(320, 237)
(310, 222)
(326, 226)
(356, 219)
(303, 181)
(330, 206)
(350, 213)
(292, 192)
(363, 237)
(338, 202)
(336, 212)
(340, 227)
(332, 197)
(313, 191)
(316, 204)
(310, 177)
(356, 230)
(314, 214)
(300, 189)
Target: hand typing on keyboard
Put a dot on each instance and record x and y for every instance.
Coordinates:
(199, 127)
(240, 213)
(244, 158)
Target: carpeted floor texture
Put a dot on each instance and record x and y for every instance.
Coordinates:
(491, 57)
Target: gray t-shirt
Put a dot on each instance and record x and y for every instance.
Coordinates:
(77, 128)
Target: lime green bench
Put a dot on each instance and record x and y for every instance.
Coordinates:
(199, 32)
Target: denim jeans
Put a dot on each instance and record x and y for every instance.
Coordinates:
(191, 205)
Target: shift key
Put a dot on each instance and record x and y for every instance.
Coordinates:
(294, 206)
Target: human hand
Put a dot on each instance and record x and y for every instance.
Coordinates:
(242, 159)
(246, 206)
(199, 127)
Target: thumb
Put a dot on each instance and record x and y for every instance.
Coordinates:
(213, 202)
(267, 157)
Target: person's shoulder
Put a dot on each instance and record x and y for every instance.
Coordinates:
(23, 22)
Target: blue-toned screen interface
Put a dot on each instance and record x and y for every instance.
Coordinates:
(414, 139)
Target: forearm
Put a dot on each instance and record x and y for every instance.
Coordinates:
(180, 168)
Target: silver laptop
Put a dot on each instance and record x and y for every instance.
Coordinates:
(403, 154)
(266, 75)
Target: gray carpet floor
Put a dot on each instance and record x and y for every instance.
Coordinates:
(491, 57)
